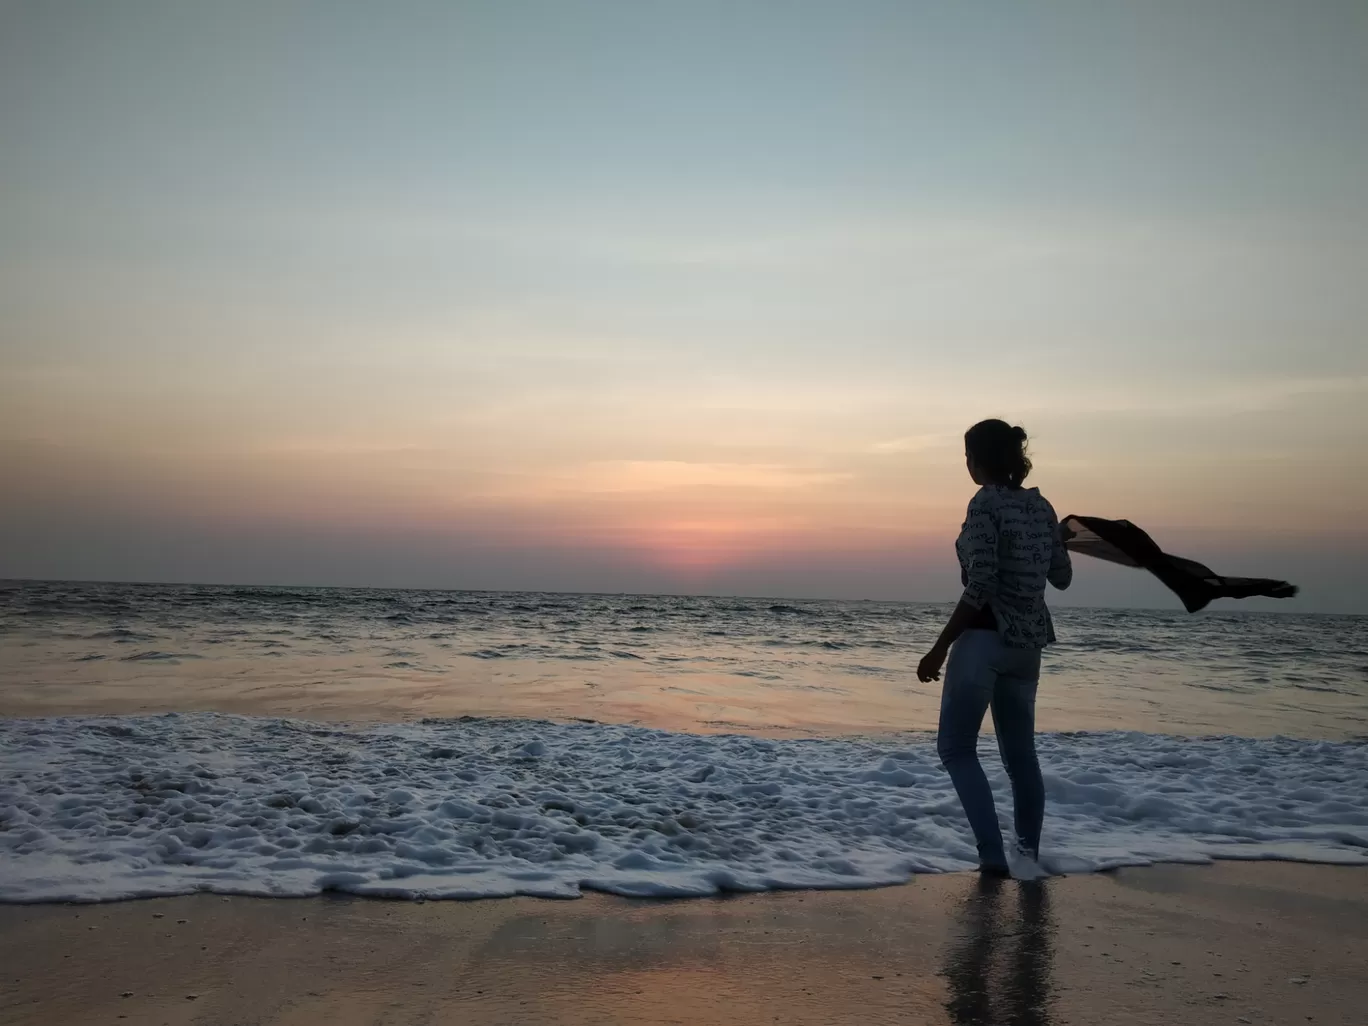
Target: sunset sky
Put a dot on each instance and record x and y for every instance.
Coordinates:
(692, 297)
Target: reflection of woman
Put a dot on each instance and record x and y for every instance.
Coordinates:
(1009, 547)
(999, 971)
(969, 965)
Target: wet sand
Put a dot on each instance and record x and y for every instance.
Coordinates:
(1231, 943)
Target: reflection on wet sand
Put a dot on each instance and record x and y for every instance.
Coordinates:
(998, 971)
(1172, 945)
(814, 958)
(806, 958)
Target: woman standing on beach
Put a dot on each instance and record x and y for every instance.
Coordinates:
(1009, 547)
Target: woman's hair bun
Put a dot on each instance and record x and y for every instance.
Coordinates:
(1019, 433)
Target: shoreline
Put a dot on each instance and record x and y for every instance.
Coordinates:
(1229, 943)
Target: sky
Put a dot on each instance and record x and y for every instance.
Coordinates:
(665, 297)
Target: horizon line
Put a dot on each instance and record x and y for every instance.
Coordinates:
(1177, 608)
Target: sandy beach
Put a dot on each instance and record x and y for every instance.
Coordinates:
(1230, 943)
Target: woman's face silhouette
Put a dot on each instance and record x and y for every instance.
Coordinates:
(974, 471)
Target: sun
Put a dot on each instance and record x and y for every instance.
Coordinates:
(694, 549)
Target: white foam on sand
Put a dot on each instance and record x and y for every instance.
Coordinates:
(96, 809)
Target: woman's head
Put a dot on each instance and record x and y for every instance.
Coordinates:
(995, 453)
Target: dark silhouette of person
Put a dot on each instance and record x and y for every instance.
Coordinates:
(998, 970)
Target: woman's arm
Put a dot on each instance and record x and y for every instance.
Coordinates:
(1060, 573)
(930, 666)
(979, 541)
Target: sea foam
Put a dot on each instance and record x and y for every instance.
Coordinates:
(104, 808)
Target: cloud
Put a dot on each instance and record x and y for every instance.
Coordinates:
(913, 443)
(1205, 399)
(647, 476)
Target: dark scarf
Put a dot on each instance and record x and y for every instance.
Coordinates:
(1120, 541)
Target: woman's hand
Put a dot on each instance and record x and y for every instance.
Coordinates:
(929, 668)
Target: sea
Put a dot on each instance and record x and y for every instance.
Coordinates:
(165, 739)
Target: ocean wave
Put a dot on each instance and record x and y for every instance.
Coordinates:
(491, 653)
(1245, 668)
(121, 634)
(105, 808)
(155, 656)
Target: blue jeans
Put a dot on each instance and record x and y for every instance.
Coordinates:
(983, 672)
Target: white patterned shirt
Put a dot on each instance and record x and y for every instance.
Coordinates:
(1008, 548)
